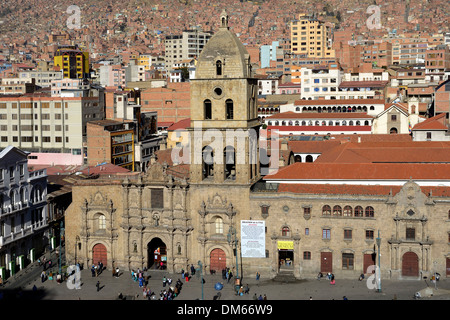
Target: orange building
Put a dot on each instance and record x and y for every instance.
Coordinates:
(172, 103)
(111, 141)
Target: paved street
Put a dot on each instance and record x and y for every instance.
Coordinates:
(110, 287)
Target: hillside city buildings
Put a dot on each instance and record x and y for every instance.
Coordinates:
(346, 138)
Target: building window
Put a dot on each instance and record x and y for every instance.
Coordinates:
(101, 222)
(337, 211)
(347, 261)
(348, 211)
(307, 211)
(306, 255)
(326, 234)
(428, 135)
(229, 109)
(219, 225)
(207, 162)
(285, 232)
(347, 234)
(410, 234)
(207, 109)
(326, 210)
(369, 212)
(218, 68)
(369, 234)
(307, 231)
(359, 212)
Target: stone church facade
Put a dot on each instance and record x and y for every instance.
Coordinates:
(160, 218)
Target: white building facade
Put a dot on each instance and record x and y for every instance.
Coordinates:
(23, 212)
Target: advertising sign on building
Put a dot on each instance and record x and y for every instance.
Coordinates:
(253, 239)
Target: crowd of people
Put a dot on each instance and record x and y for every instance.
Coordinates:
(169, 291)
(97, 269)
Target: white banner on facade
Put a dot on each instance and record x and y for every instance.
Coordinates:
(253, 239)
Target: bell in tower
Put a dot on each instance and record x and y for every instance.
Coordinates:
(224, 20)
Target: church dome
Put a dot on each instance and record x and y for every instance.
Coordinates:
(223, 56)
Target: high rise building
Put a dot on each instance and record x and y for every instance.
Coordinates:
(312, 37)
(187, 45)
(73, 62)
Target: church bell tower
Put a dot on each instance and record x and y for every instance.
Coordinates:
(224, 123)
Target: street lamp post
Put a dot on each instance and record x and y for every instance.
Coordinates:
(232, 238)
(60, 245)
(201, 274)
(379, 262)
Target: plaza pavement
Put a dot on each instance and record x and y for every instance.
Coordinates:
(110, 287)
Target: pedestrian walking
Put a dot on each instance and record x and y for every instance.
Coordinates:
(258, 275)
(98, 286)
(265, 297)
(192, 269)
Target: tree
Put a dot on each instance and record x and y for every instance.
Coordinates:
(184, 74)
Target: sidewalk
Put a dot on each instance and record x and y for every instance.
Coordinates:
(111, 287)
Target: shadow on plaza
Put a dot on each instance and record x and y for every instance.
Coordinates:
(20, 294)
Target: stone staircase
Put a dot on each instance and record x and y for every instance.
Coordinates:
(285, 275)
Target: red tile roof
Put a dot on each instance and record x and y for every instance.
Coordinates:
(388, 152)
(362, 171)
(434, 123)
(182, 124)
(312, 146)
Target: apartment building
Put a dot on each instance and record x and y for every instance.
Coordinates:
(41, 78)
(437, 63)
(269, 53)
(11, 87)
(69, 87)
(23, 206)
(51, 128)
(72, 61)
(122, 107)
(293, 123)
(297, 62)
(312, 37)
(134, 72)
(111, 141)
(321, 82)
(187, 45)
(112, 76)
(352, 53)
(267, 84)
(146, 60)
(408, 50)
